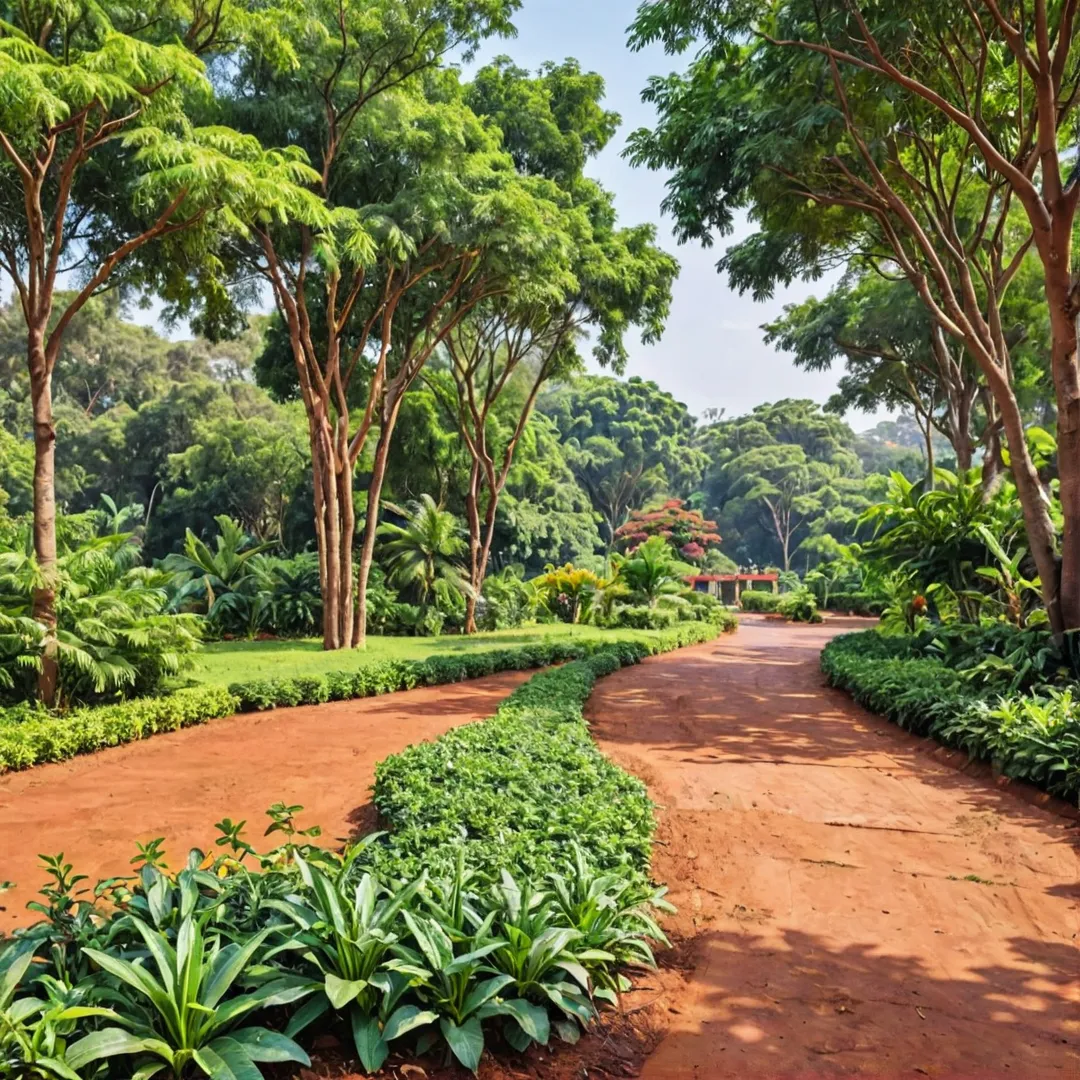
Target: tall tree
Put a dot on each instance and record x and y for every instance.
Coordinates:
(421, 208)
(912, 136)
(625, 442)
(611, 279)
(100, 158)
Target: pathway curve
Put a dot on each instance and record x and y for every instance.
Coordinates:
(178, 785)
(820, 858)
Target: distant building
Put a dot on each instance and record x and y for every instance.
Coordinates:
(728, 587)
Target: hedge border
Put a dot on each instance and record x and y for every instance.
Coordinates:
(929, 698)
(28, 739)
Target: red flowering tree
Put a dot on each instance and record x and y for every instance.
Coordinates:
(688, 531)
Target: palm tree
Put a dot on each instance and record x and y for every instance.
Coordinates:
(422, 555)
(651, 571)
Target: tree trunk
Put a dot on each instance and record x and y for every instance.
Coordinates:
(1037, 523)
(44, 597)
(1067, 386)
(367, 552)
(472, 514)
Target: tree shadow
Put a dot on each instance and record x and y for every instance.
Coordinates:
(793, 1004)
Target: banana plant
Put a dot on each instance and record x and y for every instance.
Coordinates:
(348, 933)
(34, 1031)
(1011, 582)
(182, 1013)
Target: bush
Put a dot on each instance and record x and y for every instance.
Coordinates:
(29, 738)
(758, 600)
(1032, 736)
(856, 603)
(799, 606)
(645, 618)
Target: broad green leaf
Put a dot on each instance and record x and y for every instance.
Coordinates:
(261, 1044)
(405, 1019)
(342, 991)
(466, 1041)
(112, 1042)
(371, 1047)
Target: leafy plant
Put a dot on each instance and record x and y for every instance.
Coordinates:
(184, 1013)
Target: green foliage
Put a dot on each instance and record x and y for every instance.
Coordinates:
(941, 541)
(31, 737)
(782, 482)
(798, 605)
(422, 555)
(981, 692)
(626, 442)
(759, 600)
(650, 571)
(114, 635)
(570, 592)
(526, 897)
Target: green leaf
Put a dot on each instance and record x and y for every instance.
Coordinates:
(532, 1019)
(405, 1019)
(371, 1047)
(466, 1041)
(234, 1058)
(113, 1042)
(260, 1044)
(342, 991)
(484, 991)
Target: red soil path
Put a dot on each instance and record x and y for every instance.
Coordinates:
(817, 855)
(94, 808)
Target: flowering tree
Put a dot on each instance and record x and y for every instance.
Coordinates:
(686, 530)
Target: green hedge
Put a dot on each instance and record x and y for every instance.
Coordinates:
(1032, 736)
(518, 788)
(759, 600)
(854, 604)
(29, 736)
(32, 738)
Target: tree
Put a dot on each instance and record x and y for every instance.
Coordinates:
(100, 158)
(426, 221)
(650, 570)
(422, 555)
(784, 475)
(919, 140)
(608, 281)
(680, 526)
(625, 442)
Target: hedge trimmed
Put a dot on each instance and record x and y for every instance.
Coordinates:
(522, 787)
(30, 736)
(34, 738)
(759, 600)
(1032, 736)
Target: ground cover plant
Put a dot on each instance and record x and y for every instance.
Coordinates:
(493, 913)
(1002, 695)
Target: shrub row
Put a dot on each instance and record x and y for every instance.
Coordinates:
(1027, 736)
(527, 853)
(29, 736)
(855, 603)
(518, 788)
(760, 601)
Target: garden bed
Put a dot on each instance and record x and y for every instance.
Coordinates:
(527, 853)
(30, 737)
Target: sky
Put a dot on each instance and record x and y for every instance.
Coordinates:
(713, 353)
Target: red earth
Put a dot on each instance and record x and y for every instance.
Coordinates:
(851, 902)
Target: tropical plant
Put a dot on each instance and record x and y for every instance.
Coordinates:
(422, 555)
(113, 635)
(569, 591)
(651, 571)
(181, 1012)
(347, 932)
(205, 576)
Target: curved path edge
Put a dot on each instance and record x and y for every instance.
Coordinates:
(848, 903)
(177, 785)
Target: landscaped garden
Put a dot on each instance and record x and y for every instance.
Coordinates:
(397, 450)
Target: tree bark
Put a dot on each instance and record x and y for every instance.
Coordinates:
(44, 596)
(367, 551)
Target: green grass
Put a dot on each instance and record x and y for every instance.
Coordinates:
(224, 662)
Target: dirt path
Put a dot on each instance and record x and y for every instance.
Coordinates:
(94, 808)
(818, 856)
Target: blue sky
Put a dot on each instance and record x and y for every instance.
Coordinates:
(712, 354)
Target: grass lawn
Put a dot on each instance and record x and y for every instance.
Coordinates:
(224, 662)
